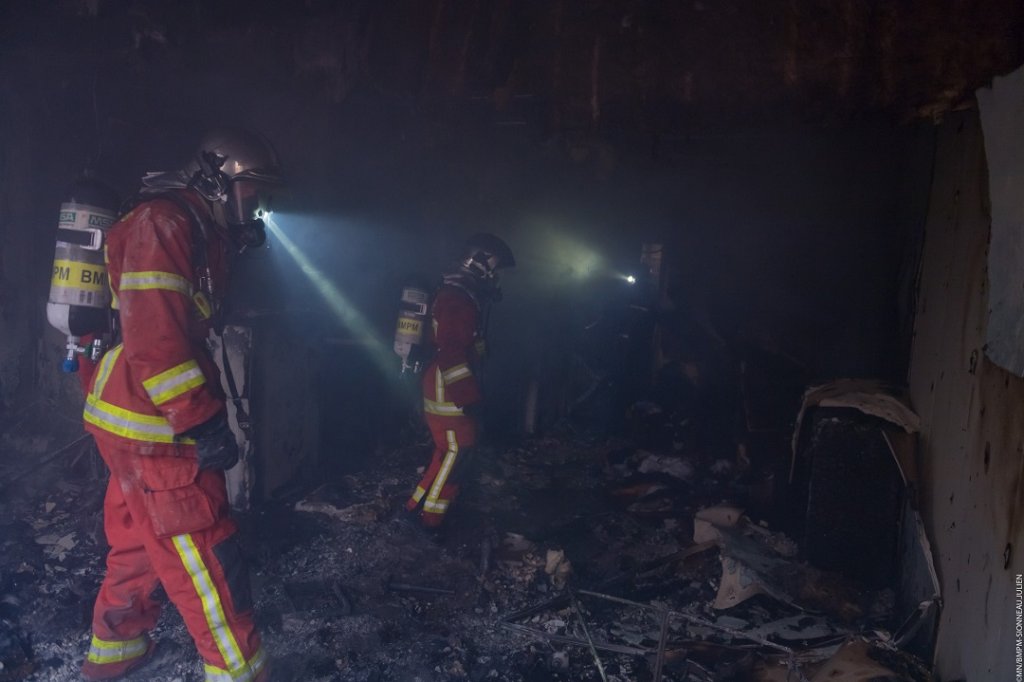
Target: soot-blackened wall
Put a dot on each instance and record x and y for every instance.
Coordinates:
(781, 229)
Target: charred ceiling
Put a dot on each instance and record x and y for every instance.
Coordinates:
(640, 65)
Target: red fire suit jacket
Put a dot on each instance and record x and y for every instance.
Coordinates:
(450, 382)
(161, 380)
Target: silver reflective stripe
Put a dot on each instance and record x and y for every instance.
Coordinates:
(253, 668)
(456, 373)
(127, 424)
(175, 381)
(154, 279)
(213, 609)
(106, 365)
(433, 502)
(103, 651)
(443, 409)
(438, 507)
(438, 385)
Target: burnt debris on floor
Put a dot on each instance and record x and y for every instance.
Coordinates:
(570, 557)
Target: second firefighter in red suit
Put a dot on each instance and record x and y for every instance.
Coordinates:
(451, 387)
(157, 411)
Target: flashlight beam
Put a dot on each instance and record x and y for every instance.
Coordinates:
(347, 314)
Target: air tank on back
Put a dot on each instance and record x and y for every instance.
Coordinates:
(79, 302)
(412, 316)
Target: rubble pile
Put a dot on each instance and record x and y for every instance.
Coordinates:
(567, 558)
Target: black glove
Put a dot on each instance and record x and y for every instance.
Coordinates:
(216, 447)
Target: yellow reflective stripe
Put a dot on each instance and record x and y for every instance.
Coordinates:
(456, 373)
(114, 303)
(437, 507)
(212, 607)
(441, 409)
(103, 651)
(154, 279)
(253, 667)
(434, 503)
(203, 306)
(106, 365)
(418, 494)
(128, 424)
(438, 385)
(171, 383)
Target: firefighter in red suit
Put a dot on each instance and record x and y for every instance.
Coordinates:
(155, 407)
(451, 388)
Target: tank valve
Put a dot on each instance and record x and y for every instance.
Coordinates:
(70, 364)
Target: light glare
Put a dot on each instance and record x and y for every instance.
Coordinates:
(347, 314)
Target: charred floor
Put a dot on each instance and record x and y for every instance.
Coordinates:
(646, 554)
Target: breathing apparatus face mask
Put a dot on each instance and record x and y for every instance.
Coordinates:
(246, 204)
(483, 268)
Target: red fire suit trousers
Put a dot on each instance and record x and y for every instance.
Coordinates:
(168, 522)
(437, 490)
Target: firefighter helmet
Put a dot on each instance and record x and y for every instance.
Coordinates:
(232, 154)
(233, 169)
(238, 169)
(484, 255)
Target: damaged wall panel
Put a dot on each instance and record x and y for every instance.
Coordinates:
(1002, 116)
(972, 438)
